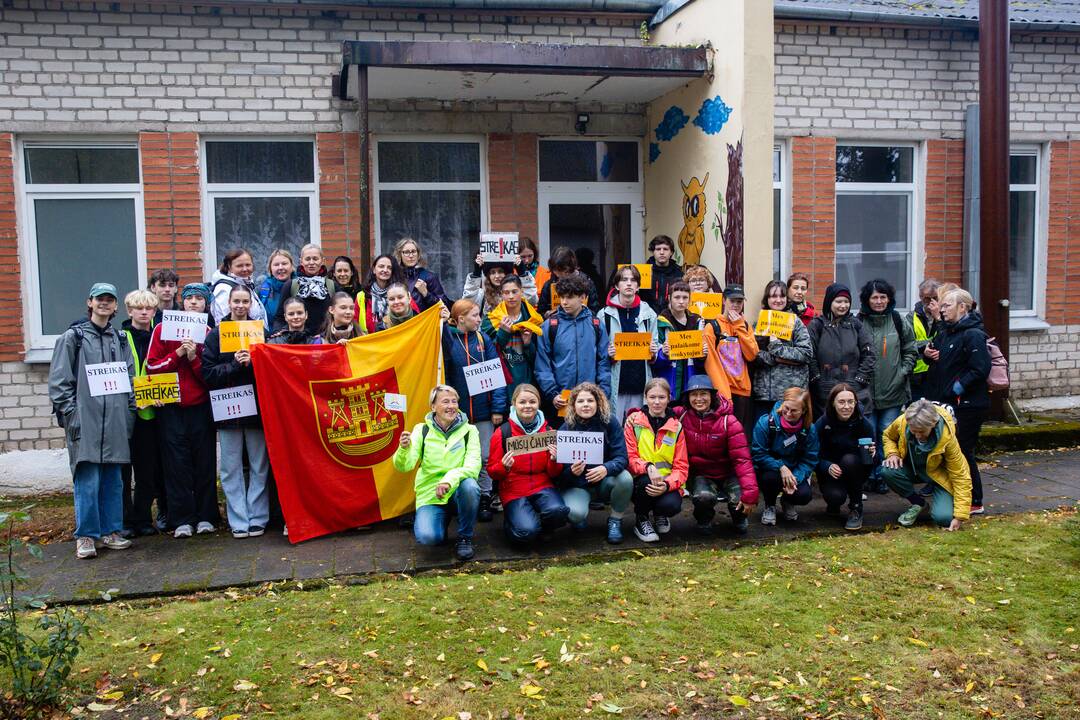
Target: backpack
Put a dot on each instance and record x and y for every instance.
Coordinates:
(800, 439)
(74, 373)
(553, 329)
(998, 379)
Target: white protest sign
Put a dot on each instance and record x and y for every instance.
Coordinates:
(232, 403)
(394, 401)
(109, 378)
(499, 247)
(485, 377)
(179, 325)
(574, 447)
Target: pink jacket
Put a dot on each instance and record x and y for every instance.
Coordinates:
(717, 447)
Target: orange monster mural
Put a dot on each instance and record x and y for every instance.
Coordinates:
(692, 235)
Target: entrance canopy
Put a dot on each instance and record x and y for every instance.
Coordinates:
(477, 71)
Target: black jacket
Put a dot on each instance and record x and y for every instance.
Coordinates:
(662, 277)
(220, 370)
(843, 352)
(837, 438)
(963, 358)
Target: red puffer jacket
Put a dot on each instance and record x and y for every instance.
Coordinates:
(530, 473)
(717, 446)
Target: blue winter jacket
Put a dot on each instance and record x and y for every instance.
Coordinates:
(772, 448)
(478, 407)
(576, 357)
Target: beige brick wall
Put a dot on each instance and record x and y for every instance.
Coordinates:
(26, 420)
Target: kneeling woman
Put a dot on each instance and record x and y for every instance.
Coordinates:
(447, 449)
(532, 507)
(656, 451)
(588, 410)
(785, 452)
(295, 331)
(921, 447)
(843, 436)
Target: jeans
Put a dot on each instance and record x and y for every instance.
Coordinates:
(902, 481)
(881, 419)
(846, 487)
(190, 464)
(770, 484)
(614, 491)
(969, 422)
(705, 493)
(247, 505)
(486, 430)
(99, 506)
(146, 474)
(667, 505)
(429, 527)
(525, 517)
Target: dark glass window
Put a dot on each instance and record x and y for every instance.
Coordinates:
(81, 166)
(1022, 169)
(429, 162)
(874, 164)
(588, 161)
(260, 162)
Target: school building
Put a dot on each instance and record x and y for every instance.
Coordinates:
(141, 135)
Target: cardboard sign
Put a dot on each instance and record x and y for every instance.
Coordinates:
(632, 346)
(237, 335)
(499, 247)
(775, 323)
(565, 395)
(394, 401)
(686, 344)
(163, 388)
(525, 444)
(484, 377)
(708, 305)
(646, 273)
(232, 403)
(109, 378)
(574, 447)
(180, 326)
(555, 299)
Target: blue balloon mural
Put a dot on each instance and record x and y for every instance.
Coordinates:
(712, 115)
(674, 121)
(654, 152)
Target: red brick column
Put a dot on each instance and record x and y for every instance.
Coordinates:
(172, 202)
(339, 194)
(1063, 238)
(813, 211)
(512, 177)
(11, 332)
(944, 212)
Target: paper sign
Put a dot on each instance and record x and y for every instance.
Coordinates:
(179, 325)
(565, 395)
(525, 444)
(708, 305)
(555, 299)
(775, 323)
(237, 335)
(394, 401)
(646, 273)
(574, 447)
(632, 346)
(232, 403)
(164, 388)
(484, 377)
(109, 378)
(686, 344)
(499, 247)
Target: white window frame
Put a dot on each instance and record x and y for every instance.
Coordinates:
(39, 345)
(1040, 188)
(211, 191)
(783, 184)
(379, 186)
(916, 261)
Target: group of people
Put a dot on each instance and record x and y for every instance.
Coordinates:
(864, 401)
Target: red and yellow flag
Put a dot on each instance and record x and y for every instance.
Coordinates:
(328, 431)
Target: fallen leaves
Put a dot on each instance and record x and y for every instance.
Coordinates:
(244, 685)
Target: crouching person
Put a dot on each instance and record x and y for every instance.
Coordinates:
(785, 453)
(920, 446)
(656, 451)
(447, 450)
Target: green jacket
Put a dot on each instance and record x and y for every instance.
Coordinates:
(896, 357)
(448, 457)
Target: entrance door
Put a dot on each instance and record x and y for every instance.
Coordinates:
(600, 234)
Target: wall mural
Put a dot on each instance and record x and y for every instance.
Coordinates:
(692, 235)
(728, 221)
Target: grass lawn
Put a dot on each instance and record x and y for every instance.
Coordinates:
(903, 624)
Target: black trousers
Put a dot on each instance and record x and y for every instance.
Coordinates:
(143, 479)
(188, 440)
(969, 422)
(771, 485)
(667, 505)
(743, 408)
(846, 487)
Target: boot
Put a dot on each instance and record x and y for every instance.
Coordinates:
(484, 513)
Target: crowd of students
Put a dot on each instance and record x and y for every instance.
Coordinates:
(862, 400)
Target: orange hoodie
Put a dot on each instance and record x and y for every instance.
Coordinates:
(728, 362)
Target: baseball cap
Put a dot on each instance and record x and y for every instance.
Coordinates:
(99, 289)
(734, 292)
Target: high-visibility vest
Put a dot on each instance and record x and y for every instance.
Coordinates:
(663, 457)
(920, 334)
(140, 371)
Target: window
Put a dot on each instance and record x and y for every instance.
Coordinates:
(1023, 229)
(84, 218)
(260, 195)
(588, 161)
(875, 206)
(779, 213)
(432, 190)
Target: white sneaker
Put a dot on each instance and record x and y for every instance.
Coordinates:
(113, 541)
(790, 513)
(182, 531)
(768, 515)
(662, 524)
(285, 531)
(84, 548)
(204, 527)
(645, 532)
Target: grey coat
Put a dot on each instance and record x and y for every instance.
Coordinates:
(97, 429)
(782, 364)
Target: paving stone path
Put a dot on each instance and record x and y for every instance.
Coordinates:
(161, 565)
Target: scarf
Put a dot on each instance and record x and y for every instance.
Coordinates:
(333, 334)
(790, 428)
(392, 319)
(313, 288)
(531, 428)
(531, 322)
(378, 300)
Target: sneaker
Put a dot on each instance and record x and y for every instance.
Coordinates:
(126, 533)
(644, 531)
(182, 531)
(496, 503)
(614, 530)
(662, 524)
(704, 529)
(113, 541)
(256, 530)
(204, 527)
(790, 513)
(240, 534)
(464, 549)
(483, 514)
(285, 531)
(978, 510)
(854, 519)
(909, 516)
(768, 515)
(161, 523)
(864, 496)
(84, 548)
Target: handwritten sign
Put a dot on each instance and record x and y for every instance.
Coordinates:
(163, 388)
(109, 378)
(775, 323)
(686, 344)
(646, 273)
(574, 447)
(179, 326)
(708, 305)
(632, 346)
(394, 402)
(526, 444)
(565, 395)
(237, 335)
(232, 403)
(499, 247)
(484, 377)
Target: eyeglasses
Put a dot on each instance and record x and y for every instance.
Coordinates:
(414, 251)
